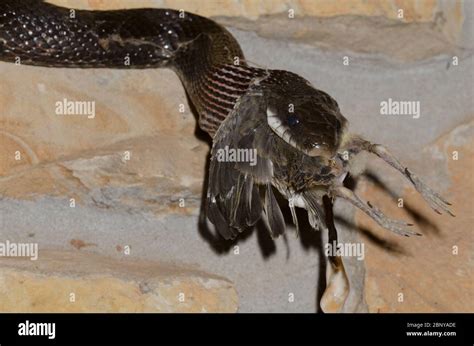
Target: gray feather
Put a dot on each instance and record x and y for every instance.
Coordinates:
(274, 216)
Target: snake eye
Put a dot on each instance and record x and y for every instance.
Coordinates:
(293, 120)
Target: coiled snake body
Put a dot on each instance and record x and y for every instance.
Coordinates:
(300, 136)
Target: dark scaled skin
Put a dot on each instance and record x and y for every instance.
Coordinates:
(301, 139)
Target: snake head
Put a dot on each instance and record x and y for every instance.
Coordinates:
(306, 118)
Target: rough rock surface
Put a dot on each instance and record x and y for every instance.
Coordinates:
(421, 10)
(436, 24)
(99, 284)
(434, 273)
(150, 202)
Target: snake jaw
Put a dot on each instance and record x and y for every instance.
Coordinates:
(280, 129)
(314, 151)
(284, 132)
(318, 150)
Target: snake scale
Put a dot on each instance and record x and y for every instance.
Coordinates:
(302, 140)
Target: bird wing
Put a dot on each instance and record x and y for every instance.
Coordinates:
(238, 191)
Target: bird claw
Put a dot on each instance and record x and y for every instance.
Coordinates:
(395, 226)
(435, 200)
(432, 198)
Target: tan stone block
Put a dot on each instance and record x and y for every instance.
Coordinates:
(431, 277)
(100, 284)
(137, 112)
(420, 10)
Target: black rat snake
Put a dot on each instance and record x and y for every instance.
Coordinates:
(300, 137)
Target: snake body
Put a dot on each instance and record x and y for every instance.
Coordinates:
(298, 131)
(199, 50)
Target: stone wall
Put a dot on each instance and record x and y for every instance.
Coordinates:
(446, 15)
(126, 186)
(414, 11)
